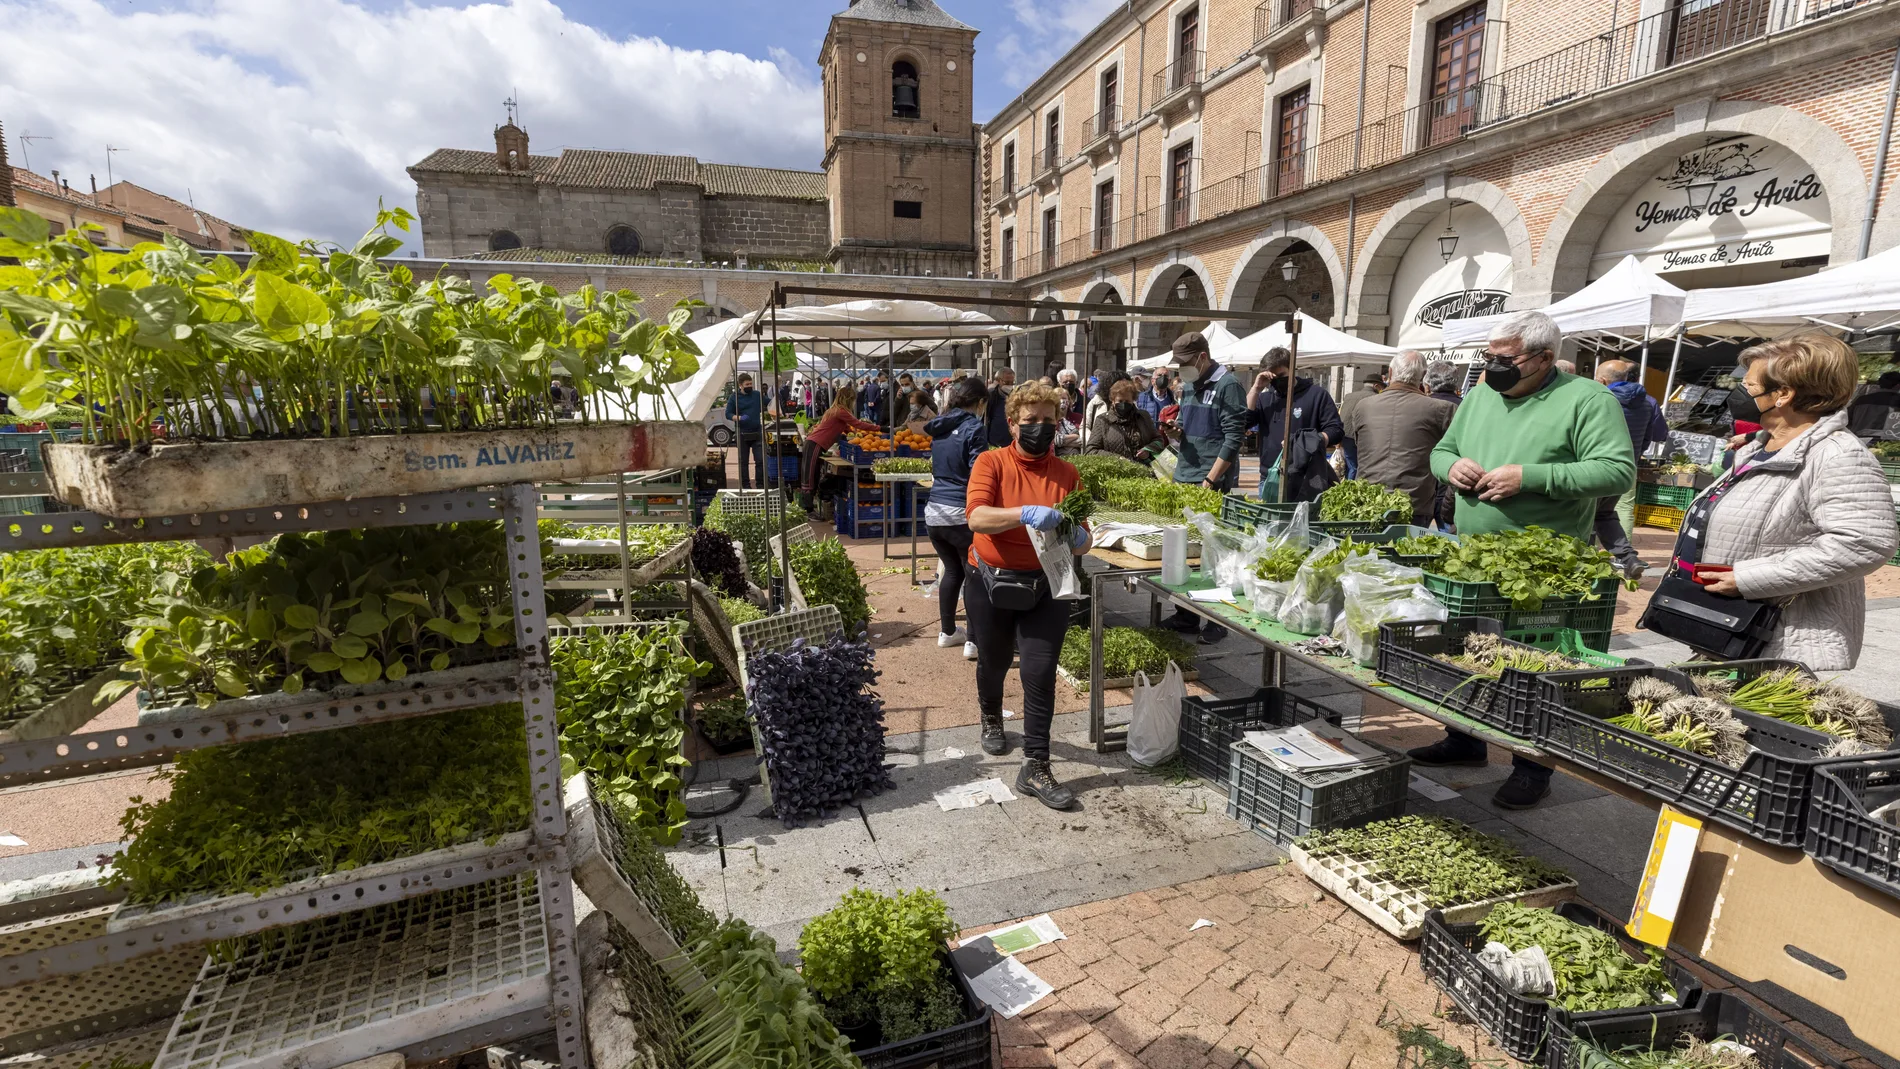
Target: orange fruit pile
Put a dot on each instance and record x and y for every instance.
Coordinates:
(869, 442)
(914, 439)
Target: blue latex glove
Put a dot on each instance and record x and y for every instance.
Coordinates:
(1041, 517)
(1078, 537)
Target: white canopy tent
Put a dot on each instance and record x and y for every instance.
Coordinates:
(807, 363)
(1218, 338)
(1320, 346)
(1628, 301)
(1863, 295)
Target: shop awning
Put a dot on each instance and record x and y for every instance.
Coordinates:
(1859, 296)
(1628, 300)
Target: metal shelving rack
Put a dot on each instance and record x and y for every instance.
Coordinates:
(623, 501)
(532, 866)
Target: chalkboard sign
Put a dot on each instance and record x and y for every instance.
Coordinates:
(1701, 448)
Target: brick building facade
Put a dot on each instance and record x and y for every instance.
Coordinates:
(1405, 162)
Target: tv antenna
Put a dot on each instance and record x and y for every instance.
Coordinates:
(26, 141)
(110, 149)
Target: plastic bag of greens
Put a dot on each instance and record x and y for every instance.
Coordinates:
(1276, 559)
(1223, 550)
(1377, 591)
(1308, 606)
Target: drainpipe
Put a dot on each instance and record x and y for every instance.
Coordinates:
(1880, 160)
(1134, 213)
(1352, 252)
(1365, 51)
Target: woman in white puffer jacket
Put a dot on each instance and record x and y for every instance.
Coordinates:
(1815, 514)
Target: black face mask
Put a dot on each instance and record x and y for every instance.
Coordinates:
(1035, 438)
(1743, 406)
(1502, 375)
(1124, 410)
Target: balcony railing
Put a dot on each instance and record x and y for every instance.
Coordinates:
(1184, 73)
(1044, 162)
(1629, 52)
(1273, 14)
(1105, 123)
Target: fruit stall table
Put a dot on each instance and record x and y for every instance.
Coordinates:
(1831, 958)
(908, 484)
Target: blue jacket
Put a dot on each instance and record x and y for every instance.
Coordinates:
(1313, 410)
(1642, 413)
(1213, 423)
(1153, 405)
(958, 437)
(999, 416)
(743, 409)
(871, 401)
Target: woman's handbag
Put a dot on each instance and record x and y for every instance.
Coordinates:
(1731, 628)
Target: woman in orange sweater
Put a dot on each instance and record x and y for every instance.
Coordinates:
(836, 421)
(1008, 601)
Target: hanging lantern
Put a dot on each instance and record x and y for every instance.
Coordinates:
(1289, 270)
(1447, 243)
(1699, 194)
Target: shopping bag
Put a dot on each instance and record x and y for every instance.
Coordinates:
(1154, 732)
(1058, 564)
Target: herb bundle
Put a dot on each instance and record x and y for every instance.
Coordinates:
(1362, 501)
(258, 815)
(1450, 863)
(619, 697)
(1697, 724)
(1528, 566)
(1491, 656)
(1791, 695)
(902, 466)
(1592, 970)
(877, 959)
(1076, 507)
(1280, 564)
(820, 723)
(1125, 651)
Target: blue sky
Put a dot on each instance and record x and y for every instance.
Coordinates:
(297, 116)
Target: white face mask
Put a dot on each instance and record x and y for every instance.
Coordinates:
(1187, 374)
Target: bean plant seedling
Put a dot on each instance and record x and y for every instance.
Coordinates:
(308, 341)
(1448, 861)
(1591, 968)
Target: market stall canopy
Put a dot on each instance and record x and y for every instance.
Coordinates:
(868, 328)
(806, 363)
(1218, 338)
(1859, 296)
(692, 399)
(1628, 300)
(1320, 346)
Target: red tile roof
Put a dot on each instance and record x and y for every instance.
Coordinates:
(601, 169)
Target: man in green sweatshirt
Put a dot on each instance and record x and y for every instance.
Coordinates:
(1536, 446)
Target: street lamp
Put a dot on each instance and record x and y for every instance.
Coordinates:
(1699, 194)
(1289, 270)
(1447, 243)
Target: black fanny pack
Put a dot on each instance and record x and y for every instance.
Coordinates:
(1013, 589)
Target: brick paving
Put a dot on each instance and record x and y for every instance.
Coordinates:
(1288, 976)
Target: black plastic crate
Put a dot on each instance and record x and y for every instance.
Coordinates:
(1716, 1015)
(1448, 956)
(960, 1046)
(1766, 799)
(1282, 806)
(1210, 725)
(1841, 835)
(1408, 658)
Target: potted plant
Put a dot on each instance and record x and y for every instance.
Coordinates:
(880, 967)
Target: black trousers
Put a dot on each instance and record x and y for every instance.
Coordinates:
(953, 565)
(1000, 634)
(1470, 744)
(752, 446)
(1609, 531)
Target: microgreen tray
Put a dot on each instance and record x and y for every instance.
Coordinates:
(1400, 911)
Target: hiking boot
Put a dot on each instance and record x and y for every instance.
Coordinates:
(1036, 780)
(1448, 752)
(1183, 621)
(1523, 790)
(995, 743)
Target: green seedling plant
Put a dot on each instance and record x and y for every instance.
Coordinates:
(1528, 566)
(826, 576)
(307, 340)
(880, 957)
(902, 466)
(1362, 501)
(1450, 863)
(1126, 651)
(1591, 968)
(1280, 564)
(754, 1012)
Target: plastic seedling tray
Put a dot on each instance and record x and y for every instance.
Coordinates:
(1447, 955)
(411, 692)
(64, 714)
(179, 478)
(960, 1046)
(1400, 911)
(1081, 685)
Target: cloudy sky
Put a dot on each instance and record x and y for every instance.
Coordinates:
(294, 116)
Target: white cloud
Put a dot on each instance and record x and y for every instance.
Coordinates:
(294, 116)
(1048, 29)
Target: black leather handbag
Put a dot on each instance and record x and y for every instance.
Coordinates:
(1730, 628)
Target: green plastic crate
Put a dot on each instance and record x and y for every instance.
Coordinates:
(1239, 511)
(1590, 619)
(1676, 497)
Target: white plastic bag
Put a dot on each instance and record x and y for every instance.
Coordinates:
(1312, 599)
(1154, 732)
(1268, 595)
(1375, 591)
(1526, 972)
(1058, 564)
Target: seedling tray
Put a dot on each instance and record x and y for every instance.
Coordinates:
(1841, 834)
(1583, 1043)
(1081, 685)
(1409, 657)
(1400, 911)
(1447, 955)
(1593, 619)
(64, 714)
(1210, 725)
(1282, 806)
(417, 691)
(1766, 799)
(960, 1046)
(182, 478)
